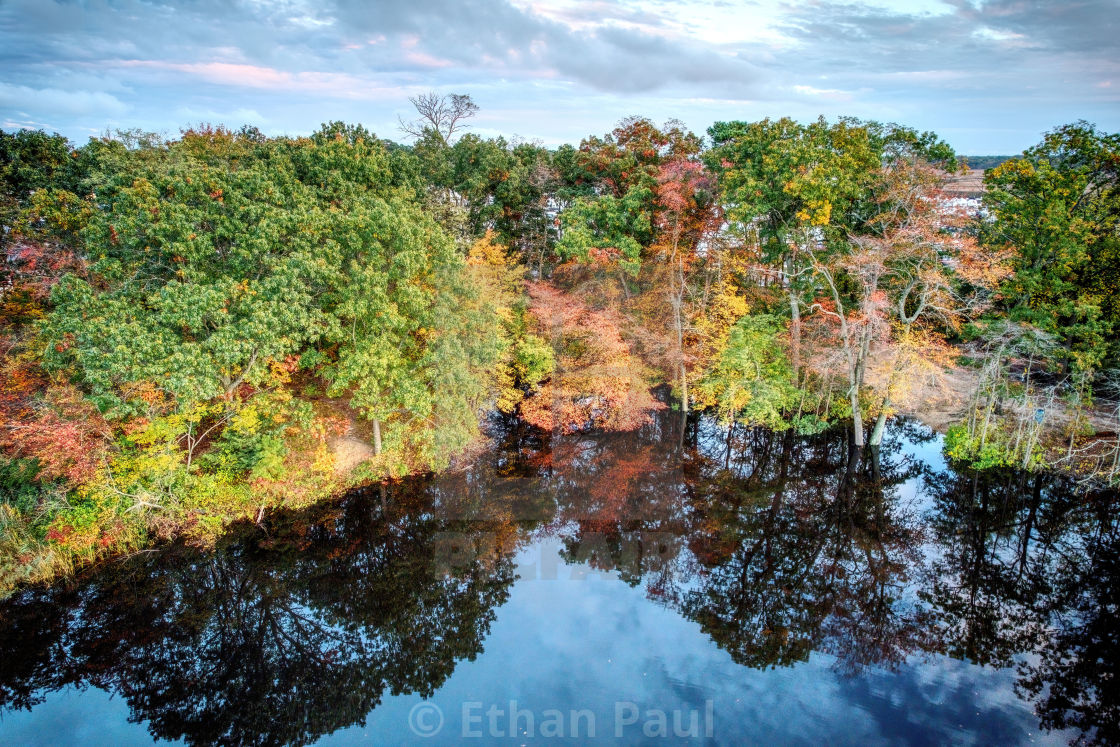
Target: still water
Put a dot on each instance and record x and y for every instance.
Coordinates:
(656, 587)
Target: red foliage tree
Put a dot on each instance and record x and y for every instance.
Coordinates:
(28, 269)
(63, 431)
(597, 381)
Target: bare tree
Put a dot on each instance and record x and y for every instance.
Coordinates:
(441, 115)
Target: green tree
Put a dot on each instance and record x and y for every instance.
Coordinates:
(1057, 209)
(792, 185)
(750, 381)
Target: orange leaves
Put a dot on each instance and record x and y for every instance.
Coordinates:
(58, 535)
(982, 266)
(53, 424)
(30, 269)
(20, 379)
(677, 182)
(597, 381)
(66, 434)
(603, 257)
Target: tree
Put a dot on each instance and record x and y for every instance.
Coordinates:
(618, 218)
(788, 183)
(440, 116)
(1057, 210)
(31, 160)
(803, 188)
(891, 288)
(596, 380)
(688, 215)
(750, 380)
(1006, 421)
(201, 277)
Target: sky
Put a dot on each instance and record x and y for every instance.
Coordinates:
(989, 76)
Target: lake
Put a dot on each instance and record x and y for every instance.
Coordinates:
(666, 586)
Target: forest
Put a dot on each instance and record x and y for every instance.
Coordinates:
(217, 326)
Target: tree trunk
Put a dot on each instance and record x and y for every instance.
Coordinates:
(727, 455)
(684, 389)
(677, 300)
(795, 334)
(880, 425)
(857, 418)
(876, 469)
(376, 437)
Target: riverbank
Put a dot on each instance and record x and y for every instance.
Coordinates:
(78, 528)
(341, 460)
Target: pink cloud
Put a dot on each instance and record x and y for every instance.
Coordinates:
(426, 60)
(255, 76)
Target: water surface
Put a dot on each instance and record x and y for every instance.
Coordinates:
(711, 587)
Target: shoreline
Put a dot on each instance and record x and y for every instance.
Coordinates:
(937, 414)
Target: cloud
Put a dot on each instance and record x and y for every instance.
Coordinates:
(1024, 32)
(831, 94)
(54, 102)
(255, 76)
(189, 114)
(602, 53)
(997, 66)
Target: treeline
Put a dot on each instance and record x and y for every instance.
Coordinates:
(983, 163)
(208, 327)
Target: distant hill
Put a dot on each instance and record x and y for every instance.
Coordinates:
(982, 163)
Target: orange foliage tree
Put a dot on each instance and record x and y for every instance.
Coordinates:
(899, 285)
(596, 380)
(688, 216)
(48, 422)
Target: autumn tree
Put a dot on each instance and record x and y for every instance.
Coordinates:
(790, 185)
(891, 288)
(31, 160)
(688, 215)
(224, 264)
(619, 219)
(749, 381)
(526, 359)
(799, 188)
(596, 380)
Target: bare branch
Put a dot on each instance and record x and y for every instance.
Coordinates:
(441, 116)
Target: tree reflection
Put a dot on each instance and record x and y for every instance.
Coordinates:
(983, 587)
(1028, 576)
(276, 638)
(777, 545)
(780, 545)
(1073, 681)
(809, 551)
